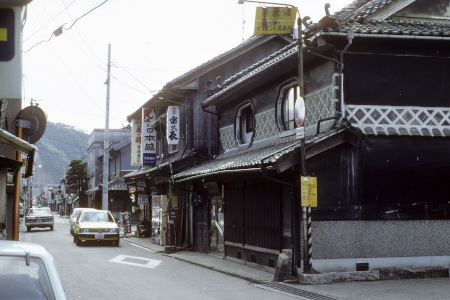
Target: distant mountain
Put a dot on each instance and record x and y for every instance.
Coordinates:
(59, 145)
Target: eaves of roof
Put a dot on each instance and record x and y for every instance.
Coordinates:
(247, 45)
(355, 17)
(122, 144)
(269, 152)
(160, 169)
(250, 73)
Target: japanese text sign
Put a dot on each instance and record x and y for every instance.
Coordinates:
(309, 191)
(136, 147)
(173, 125)
(148, 137)
(275, 20)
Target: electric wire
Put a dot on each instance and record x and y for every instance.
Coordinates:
(55, 32)
(65, 8)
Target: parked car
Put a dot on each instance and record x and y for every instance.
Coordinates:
(21, 213)
(39, 217)
(28, 271)
(73, 217)
(97, 226)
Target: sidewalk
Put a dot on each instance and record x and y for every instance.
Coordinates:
(402, 289)
(210, 261)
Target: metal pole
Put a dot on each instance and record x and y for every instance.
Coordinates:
(15, 216)
(106, 139)
(306, 212)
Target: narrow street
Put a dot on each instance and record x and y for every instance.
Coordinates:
(128, 272)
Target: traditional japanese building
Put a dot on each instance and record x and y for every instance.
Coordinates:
(375, 83)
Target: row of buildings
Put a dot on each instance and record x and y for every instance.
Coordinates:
(374, 79)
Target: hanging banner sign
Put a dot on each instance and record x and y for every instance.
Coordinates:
(136, 143)
(173, 125)
(275, 20)
(148, 137)
(309, 191)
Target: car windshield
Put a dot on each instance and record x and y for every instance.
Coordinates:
(96, 216)
(21, 281)
(76, 214)
(39, 212)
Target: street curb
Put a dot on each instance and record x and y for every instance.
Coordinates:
(241, 276)
(374, 275)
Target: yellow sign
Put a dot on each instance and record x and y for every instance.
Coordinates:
(275, 20)
(309, 191)
(3, 34)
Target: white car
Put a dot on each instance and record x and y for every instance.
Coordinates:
(28, 271)
(73, 217)
(39, 217)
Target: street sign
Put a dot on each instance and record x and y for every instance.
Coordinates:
(309, 191)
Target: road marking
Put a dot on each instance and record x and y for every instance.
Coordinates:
(136, 261)
(144, 248)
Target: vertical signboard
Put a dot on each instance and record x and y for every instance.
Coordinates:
(173, 125)
(148, 137)
(126, 223)
(309, 191)
(136, 143)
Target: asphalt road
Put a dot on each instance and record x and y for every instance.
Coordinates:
(94, 271)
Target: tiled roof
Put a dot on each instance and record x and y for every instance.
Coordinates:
(153, 170)
(247, 43)
(355, 17)
(250, 72)
(264, 152)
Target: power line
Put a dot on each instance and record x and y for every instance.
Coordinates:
(65, 8)
(59, 30)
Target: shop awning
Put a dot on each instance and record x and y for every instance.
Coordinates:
(21, 146)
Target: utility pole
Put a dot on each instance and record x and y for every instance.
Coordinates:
(106, 138)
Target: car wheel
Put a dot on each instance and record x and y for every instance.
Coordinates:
(74, 238)
(78, 241)
(117, 243)
(28, 228)
(51, 227)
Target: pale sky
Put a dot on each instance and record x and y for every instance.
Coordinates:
(152, 42)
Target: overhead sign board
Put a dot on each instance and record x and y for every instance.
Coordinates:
(275, 20)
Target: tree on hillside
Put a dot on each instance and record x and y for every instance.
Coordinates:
(77, 180)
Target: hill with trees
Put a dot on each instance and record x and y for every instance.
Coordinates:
(59, 145)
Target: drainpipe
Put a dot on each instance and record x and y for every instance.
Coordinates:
(350, 37)
(340, 63)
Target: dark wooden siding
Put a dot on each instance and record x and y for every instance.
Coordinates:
(385, 178)
(253, 213)
(397, 80)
